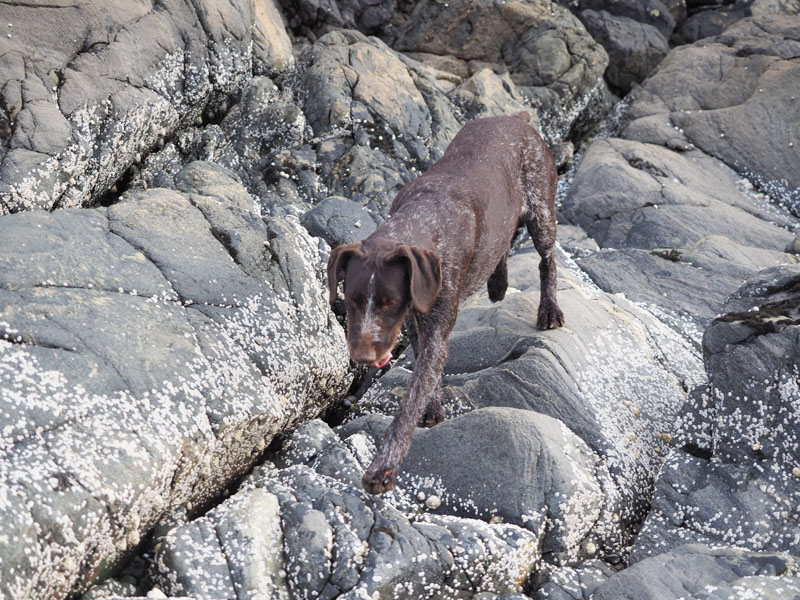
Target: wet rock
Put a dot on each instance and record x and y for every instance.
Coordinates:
(741, 111)
(696, 571)
(149, 351)
(708, 23)
(110, 81)
(634, 49)
(334, 541)
(338, 220)
(499, 359)
(731, 479)
(550, 56)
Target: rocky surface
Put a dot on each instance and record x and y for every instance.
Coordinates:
(736, 479)
(109, 82)
(157, 340)
(150, 350)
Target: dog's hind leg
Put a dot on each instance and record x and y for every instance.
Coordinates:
(498, 281)
(540, 220)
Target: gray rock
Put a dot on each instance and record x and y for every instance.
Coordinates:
(775, 7)
(264, 120)
(623, 409)
(651, 12)
(741, 111)
(305, 534)
(634, 49)
(110, 81)
(572, 583)
(149, 351)
(735, 479)
(317, 17)
(338, 220)
(377, 120)
(472, 465)
(695, 571)
(708, 23)
(546, 49)
(666, 223)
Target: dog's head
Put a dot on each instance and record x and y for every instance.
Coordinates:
(382, 281)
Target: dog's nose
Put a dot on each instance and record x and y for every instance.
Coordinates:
(363, 355)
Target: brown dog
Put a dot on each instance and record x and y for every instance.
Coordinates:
(448, 232)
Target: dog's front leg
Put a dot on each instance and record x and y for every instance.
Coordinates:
(381, 475)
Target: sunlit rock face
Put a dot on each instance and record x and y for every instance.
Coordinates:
(166, 342)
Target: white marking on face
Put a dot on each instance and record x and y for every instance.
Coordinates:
(370, 326)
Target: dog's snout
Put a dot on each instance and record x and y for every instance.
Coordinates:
(363, 355)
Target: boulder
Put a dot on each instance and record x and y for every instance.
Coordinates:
(661, 15)
(550, 56)
(110, 81)
(623, 411)
(150, 350)
(338, 220)
(308, 530)
(634, 49)
(709, 22)
(316, 17)
(734, 477)
(734, 97)
(523, 468)
(265, 119)
(376, 119)
(678, 226)
(695, 571)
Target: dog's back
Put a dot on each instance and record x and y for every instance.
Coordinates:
(493, 173)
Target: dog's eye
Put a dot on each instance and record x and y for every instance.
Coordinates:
(389, 303)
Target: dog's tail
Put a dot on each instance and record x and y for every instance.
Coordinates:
(524, 115)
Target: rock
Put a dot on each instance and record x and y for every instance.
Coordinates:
(730, 478)
(708, 23)
(699, 571)
(378, 549)
(264, 119)
(775, 7)
(149, 349)
(499, 359)
(548, 53)
(487, 94)
(272, 46)
(634, 49)
(110, 81)
(570, 583)
(370, 137)
(338, 220)
(650, 12)
(680, 230)
(560, 495)
(317, 17)
(741, 111)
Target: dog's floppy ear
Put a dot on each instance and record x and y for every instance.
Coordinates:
(336, 264)
(425, 273)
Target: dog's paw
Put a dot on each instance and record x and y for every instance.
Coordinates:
(378, 480)
(497, 291)
(550, 316)
(433, 415)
